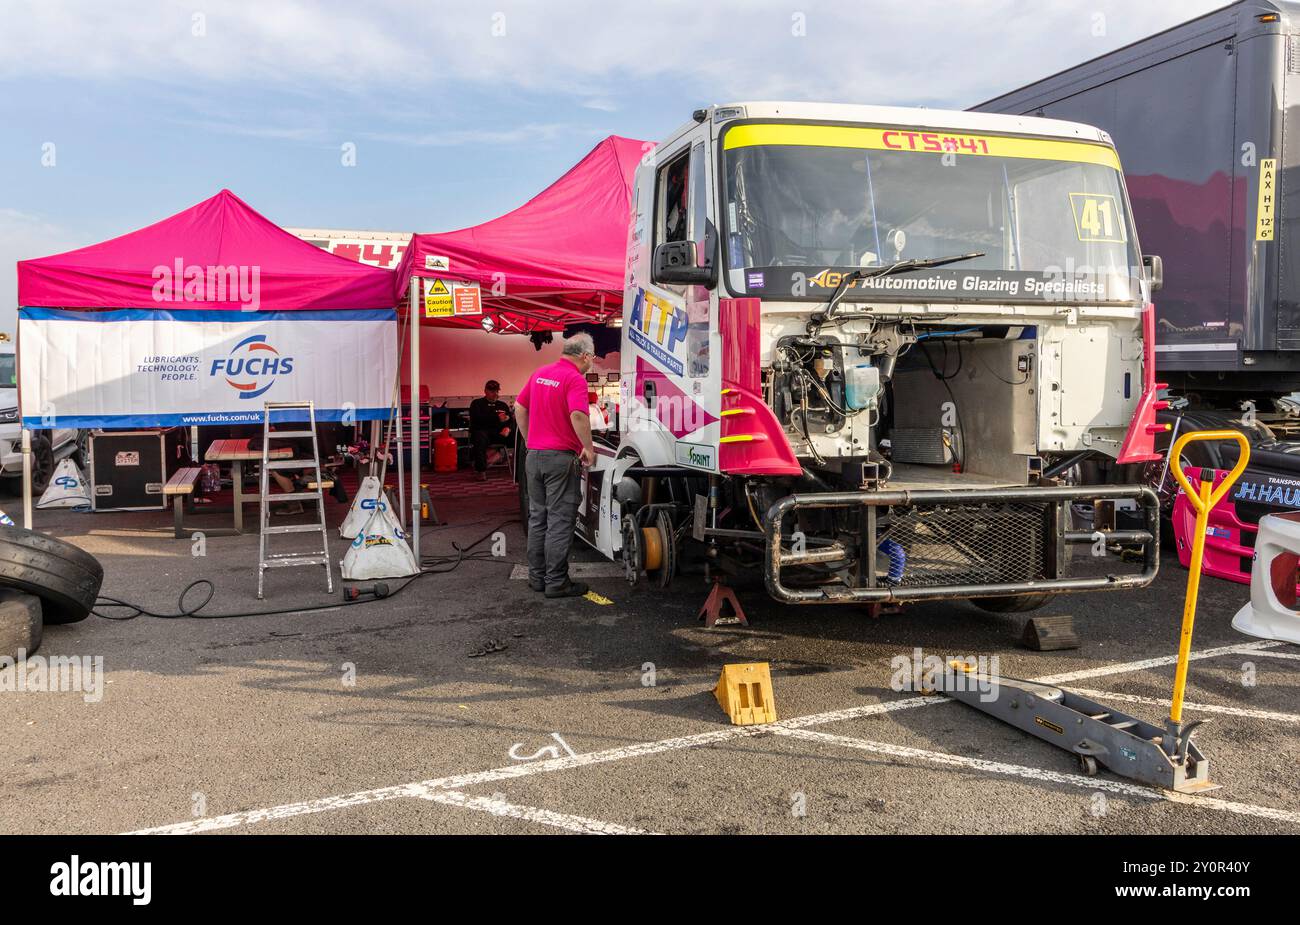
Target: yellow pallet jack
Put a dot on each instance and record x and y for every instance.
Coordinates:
(1102, 735)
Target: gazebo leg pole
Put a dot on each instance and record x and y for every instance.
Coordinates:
(27, 479)
(414, 310)
(399, 449)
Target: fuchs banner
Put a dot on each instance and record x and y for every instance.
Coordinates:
(137, 368)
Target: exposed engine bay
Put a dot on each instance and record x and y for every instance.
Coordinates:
(906, 399)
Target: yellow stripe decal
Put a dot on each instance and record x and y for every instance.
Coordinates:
(738, 438)
(919, 141)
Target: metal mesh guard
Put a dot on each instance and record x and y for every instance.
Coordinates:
(971, 544)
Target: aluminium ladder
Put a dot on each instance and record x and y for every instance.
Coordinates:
(286, 559)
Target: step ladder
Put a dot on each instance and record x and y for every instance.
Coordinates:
(267, 560)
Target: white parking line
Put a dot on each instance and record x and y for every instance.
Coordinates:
(1290, 655)
(1040, 774)
(643, 749)
(580, 824)
(1193, 707)
(1162, 662)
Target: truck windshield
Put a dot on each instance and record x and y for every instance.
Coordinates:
(8, 371)
(819, 197)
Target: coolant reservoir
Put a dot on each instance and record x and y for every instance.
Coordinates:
(861, 386)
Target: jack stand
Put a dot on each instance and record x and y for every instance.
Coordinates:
(1102, 735)
(711, 612)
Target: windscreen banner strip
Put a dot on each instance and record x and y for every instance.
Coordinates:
(918, 141)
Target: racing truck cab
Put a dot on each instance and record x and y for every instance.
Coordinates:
(863, 349)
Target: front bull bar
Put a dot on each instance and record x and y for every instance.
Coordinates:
(867, 585)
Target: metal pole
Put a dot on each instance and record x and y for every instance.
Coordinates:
(398, 444)
(414, 310)
(374, 447)
(27, 434)
(27, 479)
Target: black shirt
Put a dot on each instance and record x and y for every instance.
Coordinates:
(483, 415)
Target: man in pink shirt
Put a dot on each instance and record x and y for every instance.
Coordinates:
(551, 412)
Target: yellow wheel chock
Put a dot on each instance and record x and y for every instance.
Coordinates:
(745, 694)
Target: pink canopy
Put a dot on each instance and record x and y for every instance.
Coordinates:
(226, 240)
(558, 259)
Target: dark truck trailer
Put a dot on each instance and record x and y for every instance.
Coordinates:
(1203, 115)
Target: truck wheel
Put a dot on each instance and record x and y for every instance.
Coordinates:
(1012, 603)
(20, 623)
(65, 578)
(42, 463)
(82, 454)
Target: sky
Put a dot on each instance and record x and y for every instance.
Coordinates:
(114, 115)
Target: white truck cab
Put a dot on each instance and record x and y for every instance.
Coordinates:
(866, 348)
(48, 446)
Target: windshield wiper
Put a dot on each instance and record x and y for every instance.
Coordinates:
(898, 266)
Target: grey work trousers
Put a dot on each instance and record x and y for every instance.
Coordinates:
(553, 486)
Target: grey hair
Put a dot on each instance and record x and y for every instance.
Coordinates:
(577, 344)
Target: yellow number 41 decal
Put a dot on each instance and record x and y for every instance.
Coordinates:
(1097, 217)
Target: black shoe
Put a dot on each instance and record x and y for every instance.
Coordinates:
(537, 586)
(569, 589)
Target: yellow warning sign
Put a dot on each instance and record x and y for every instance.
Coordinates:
(437, 299)
(1267, 199)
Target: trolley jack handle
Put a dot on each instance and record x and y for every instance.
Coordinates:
(1202, 502)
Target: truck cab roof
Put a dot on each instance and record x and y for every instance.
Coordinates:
(720, 113)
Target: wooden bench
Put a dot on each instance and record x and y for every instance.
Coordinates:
(180, 487)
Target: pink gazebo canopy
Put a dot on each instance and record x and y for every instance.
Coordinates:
(560, 256)
(137, 269)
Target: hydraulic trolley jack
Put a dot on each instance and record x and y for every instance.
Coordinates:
(1098, 734)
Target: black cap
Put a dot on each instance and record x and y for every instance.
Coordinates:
(492, 384)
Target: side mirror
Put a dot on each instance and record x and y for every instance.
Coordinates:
(1155, 268)
(674, 263)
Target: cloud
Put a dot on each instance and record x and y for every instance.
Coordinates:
(925, 51)
(451, 137)
(23, 236)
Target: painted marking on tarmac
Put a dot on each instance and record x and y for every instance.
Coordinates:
(285, 811)
(461, 781)
(571, 823)
(1041, 774)
(638, 750)
(1194, 707)
(597, 599)
(1084, 674)
(1289, 655)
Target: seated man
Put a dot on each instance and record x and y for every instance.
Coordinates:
(491, 423)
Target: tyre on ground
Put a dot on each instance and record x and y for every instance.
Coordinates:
(66, 578)
(20, 623)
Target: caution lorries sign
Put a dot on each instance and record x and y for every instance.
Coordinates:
(447, 298)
